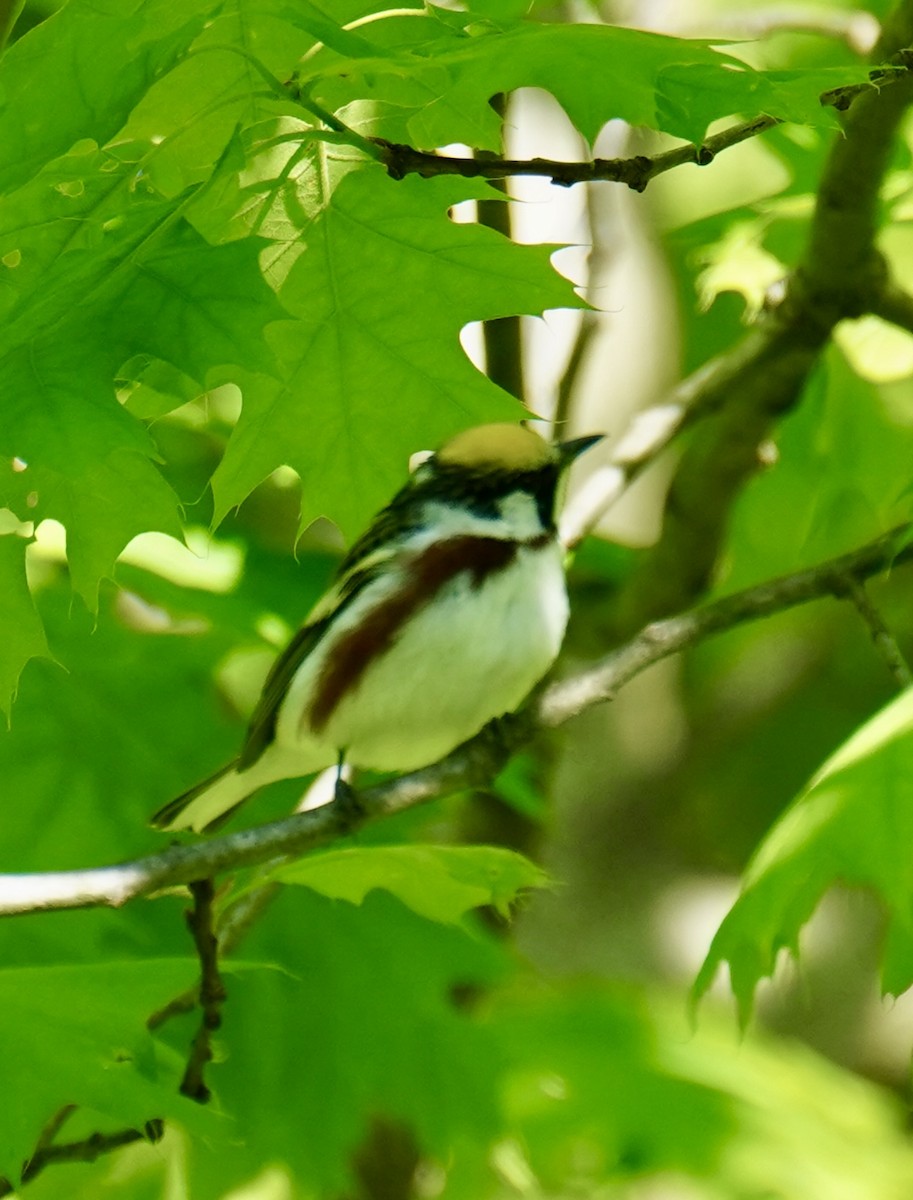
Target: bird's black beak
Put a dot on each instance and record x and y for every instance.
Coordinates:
(568, 451)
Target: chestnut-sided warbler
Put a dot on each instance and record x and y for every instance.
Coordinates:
(443, 615)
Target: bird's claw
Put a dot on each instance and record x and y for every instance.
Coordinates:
(347, 802)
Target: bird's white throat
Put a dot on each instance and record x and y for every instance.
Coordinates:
(518, 520)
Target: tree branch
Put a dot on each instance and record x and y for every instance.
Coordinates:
(674, 634)
(211, 993)
(705, 392)
(233, 924)
(744, 393)
(471, 765)
(882, 638)
(636, 172)
(87, 1149)
(767, 376)
(895, 305)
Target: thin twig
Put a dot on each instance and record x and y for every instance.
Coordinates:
(86, 1150)
(673, 634)
(569, 380)
(178, 1006)
(884, 641)
(767, 379)
(502, 336)
(239, 915)
(650, 431)
(598, 260)
(212, 990)
(471, 765)
(49, 1134)
(300, 93)
(637, 171)
(233, 925)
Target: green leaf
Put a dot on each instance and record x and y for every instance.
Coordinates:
(87, 460)
(441, 883)
(23, 633)
(369, 1030)
(68, 234)
(348, 346)
(842, 464)
(602, 1084)
(195, 305)
(277, 177)
(795, 95)
(800, 1126)
(103, 274)
(140, 689)
(588, 1093)
(49, 100)
(430, 81)
(123, 754)
(739, 263)
(521, 787)
(76, 1035)
(230, 78)
(853, 824)
(150, 388)
(693, 95)
(101, 260)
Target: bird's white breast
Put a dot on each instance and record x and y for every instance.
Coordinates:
(472, 654)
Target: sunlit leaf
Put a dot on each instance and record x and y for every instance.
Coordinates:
(441, 883)
(369, 1030)
(836, 479)
(596, 72)
(76, 1035)
(348, 346)
(851, 825)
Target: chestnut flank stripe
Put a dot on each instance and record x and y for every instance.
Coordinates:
(426, 574)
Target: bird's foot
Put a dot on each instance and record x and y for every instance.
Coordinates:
(347, 803)
(503, 732)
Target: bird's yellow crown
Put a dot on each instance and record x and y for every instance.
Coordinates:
(500, 446)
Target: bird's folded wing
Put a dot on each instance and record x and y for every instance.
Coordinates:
(262, 728)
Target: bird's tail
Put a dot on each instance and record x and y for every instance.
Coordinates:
(207, 805)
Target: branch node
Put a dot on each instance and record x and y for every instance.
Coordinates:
(88, 1149)
(640, 172)
(849, 587)
(839, 98)
(154, 1130)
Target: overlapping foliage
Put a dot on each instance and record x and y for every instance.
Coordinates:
(207, 277)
